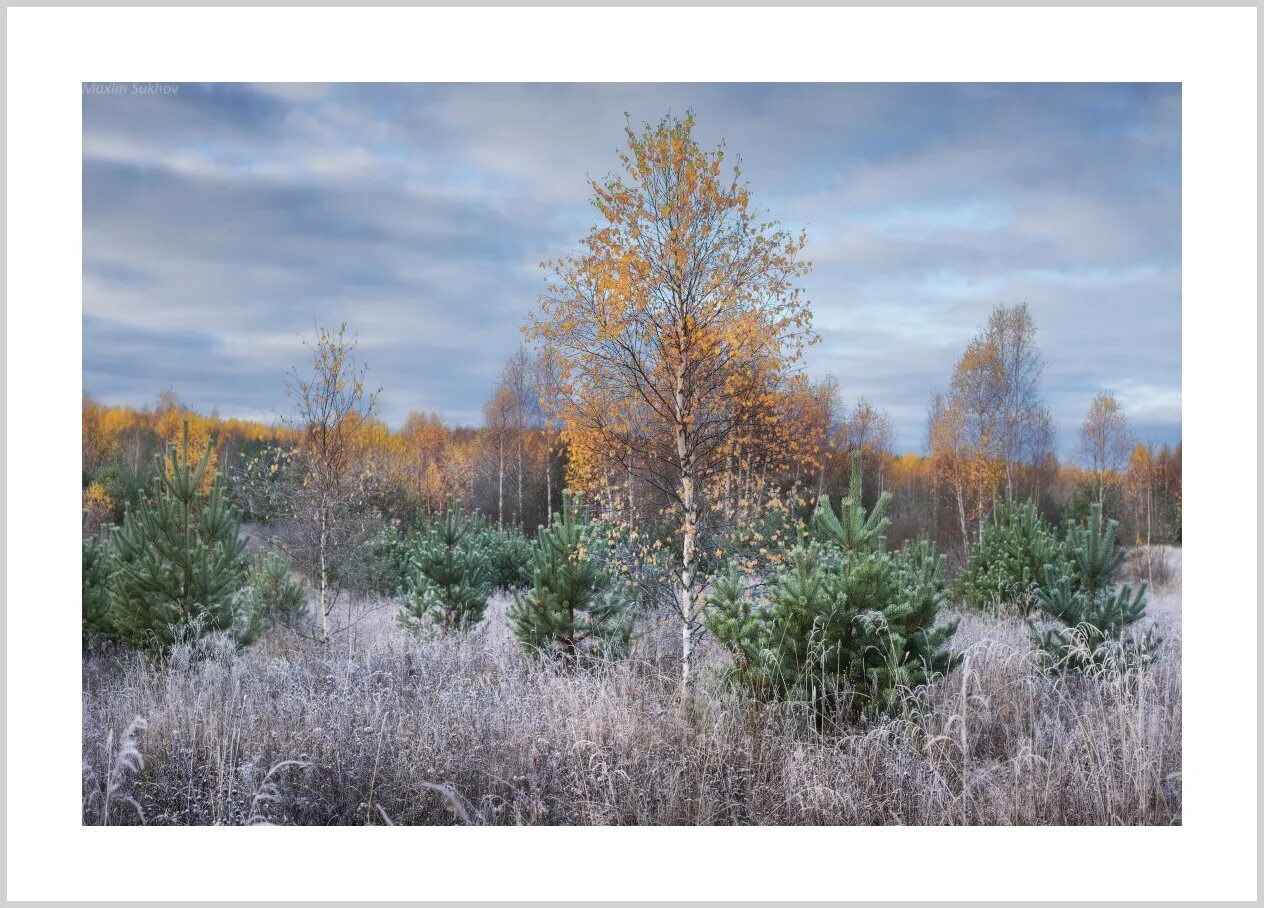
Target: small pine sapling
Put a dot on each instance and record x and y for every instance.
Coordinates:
(449, 574)
(1094, 555)
(574, 606)
(272, 595)
(98, 564)
(742, 627)
(1092, 615)
(838, 626)
(1007, 561)
(924, 579)
(510, 555)
(382, 567)
(852, 528)
(180, 560)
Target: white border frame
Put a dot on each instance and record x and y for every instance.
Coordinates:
(1211, 51)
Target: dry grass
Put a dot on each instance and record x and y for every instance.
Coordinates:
(384, 728)
(1158, 565)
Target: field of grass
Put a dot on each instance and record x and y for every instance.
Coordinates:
(384, 728)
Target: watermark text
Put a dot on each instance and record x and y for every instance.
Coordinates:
(130, 88)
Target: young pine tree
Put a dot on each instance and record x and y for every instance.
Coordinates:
(1007, 562)
(837, 627)
(98, 564)
(180, 564)
(844, 621)
(508, 552)
(272, 595)
(1091, 614)
(1094, 556)
(852, 528)
(573, 606)
(924, 587)
(449, 574)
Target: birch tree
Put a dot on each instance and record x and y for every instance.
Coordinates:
(1140, 482)
(870, 431)
(1023, 424)
(679, 293)
(498, 416)
(992, 421)
(1105, 440)
(963, 434)
(521, 399)
(545, 377)
(331, 405)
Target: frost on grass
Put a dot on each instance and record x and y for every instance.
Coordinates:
(386, 728)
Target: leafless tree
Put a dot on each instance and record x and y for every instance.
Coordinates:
(327, 508)
(522, 400)
(831, 418)
(1105, 440)
(543, 414)
(870, 431)
(1023, 422)
(498, 415)
(138, 446)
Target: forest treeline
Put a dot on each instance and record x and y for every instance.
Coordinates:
(514, 467)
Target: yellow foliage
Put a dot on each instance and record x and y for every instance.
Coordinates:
(98, 508)
(679, 310)
(96, 499)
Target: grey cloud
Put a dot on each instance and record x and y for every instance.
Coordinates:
(222, 221)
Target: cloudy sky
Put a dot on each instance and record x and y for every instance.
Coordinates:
(222, 222)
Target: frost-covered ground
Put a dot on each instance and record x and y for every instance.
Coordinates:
(382, 727)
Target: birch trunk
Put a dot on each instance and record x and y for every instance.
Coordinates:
(323, 595)
(961, 516)
(500, 486)
(631, 495)
(548, 486)
(688, 565)
(521, 517)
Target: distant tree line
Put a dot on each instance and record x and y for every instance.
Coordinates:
(513, 468)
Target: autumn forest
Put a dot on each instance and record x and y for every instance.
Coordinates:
(672, 576)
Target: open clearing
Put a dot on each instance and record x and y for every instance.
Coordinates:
(384, 727)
